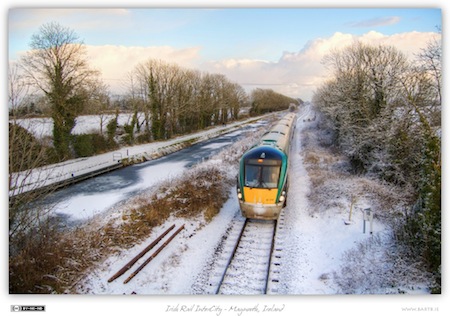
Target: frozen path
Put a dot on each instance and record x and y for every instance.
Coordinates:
(82, 201)
(56, 173)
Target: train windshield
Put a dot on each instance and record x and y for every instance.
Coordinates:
(262, 173)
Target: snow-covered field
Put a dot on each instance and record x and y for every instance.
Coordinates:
(315, 245)
(41, 127)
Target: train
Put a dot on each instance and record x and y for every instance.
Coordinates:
(262, 184)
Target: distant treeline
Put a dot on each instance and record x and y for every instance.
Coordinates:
(266, 100)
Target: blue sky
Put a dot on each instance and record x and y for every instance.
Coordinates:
(222, 33)
(280, 48)
(228, 40)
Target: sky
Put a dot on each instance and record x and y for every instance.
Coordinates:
(282, 52)
(279, 48)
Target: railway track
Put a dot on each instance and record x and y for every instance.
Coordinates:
(128, 266)
(247, 270)
(247, 261)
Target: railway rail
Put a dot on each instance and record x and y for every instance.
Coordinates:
(249, 264)
(247, 261)
(128, 266)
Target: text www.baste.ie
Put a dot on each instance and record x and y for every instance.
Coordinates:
(420, 309)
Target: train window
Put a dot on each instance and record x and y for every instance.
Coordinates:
(262, 176)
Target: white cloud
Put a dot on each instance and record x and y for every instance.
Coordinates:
(296, 74)
(115, 62)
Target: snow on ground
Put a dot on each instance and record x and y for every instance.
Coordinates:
(42, 127)
(314, 243)
(175, 269)
(86, 206)
(313, 246)
(66, 170)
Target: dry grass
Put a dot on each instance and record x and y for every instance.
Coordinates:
(200, 192)
(379, 265)
(333, 185)
(53, 261)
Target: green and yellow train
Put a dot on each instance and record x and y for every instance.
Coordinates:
(262, 180)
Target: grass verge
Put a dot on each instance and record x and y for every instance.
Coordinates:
(54, 260)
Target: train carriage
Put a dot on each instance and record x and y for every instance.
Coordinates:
(262, 180)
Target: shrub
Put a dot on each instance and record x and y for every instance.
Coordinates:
(32, 268)
(379, 256)
(53, 261)
(82, 145)
(421, 230)
(111, 127)
(86, 145)
(27, 151)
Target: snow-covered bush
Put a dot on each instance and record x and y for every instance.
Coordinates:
(385, 263)
(378, 266)
(385, 111)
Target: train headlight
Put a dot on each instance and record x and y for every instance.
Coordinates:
(239, 196)
(283, 196)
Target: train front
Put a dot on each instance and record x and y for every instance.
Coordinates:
(261, 183)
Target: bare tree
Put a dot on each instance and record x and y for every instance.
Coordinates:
(98, 103)
(17, 88)
(383, 109)
(362, 98)
(189, 105)
(27, 156)
(267, 100)
(183, 100)
(430, 61)
(57, 64)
